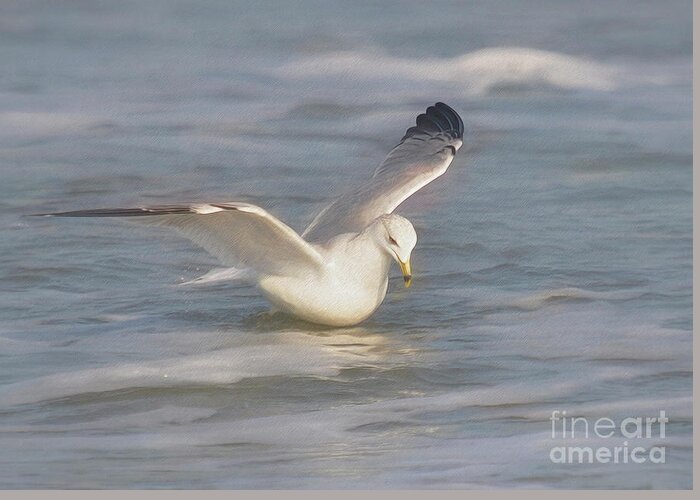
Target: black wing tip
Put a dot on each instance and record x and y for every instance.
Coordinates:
(113, 212)
(452, 116)
(438, 118)
(137, 212)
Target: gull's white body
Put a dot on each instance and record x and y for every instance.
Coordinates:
(336, 272)
(349, 286)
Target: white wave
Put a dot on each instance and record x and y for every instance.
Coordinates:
(420, 451)
(479, 72)
(290, 354)
(591, 331)
(165, 415)
(521, 399)
(540, 299)
(30, 124)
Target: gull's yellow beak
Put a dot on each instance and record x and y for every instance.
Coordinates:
(406, 270)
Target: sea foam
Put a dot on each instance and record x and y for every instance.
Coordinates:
(480, 72)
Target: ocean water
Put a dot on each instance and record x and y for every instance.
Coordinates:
(552, 271)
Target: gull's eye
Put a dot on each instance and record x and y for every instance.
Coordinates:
(393, 241)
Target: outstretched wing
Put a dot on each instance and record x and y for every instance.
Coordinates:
(423, 154)
(238, 234)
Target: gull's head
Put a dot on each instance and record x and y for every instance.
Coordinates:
(397, 236)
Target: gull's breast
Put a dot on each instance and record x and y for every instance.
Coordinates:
(347, 291)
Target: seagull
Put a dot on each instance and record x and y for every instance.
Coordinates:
(336, 272)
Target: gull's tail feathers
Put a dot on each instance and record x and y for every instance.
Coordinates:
(219, 274)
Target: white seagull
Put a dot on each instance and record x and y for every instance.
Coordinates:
(336, 272)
